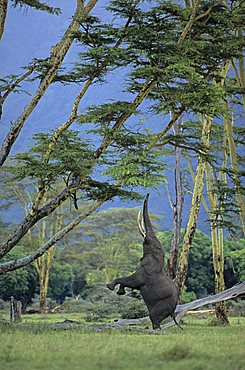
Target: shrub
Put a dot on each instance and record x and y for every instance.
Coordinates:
(134, 309)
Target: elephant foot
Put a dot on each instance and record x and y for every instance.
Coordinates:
(110, 286)
(156, 326)
(121, 290)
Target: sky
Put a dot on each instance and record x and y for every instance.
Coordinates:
(30, 34)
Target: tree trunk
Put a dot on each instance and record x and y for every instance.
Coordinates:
(177, 213)
(234, 165)
(217, 244)
(44, 265)
(218, 262)
(42, 293)
(195, 206)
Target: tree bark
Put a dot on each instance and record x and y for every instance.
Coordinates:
(3, 15)
(44, 278)
(43, 266)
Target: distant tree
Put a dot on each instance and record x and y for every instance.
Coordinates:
(234, 255)
(200, 275)
(22, 284)
(22, 195)
(105, 246)
(61, 281)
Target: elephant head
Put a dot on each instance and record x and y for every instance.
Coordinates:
(153, 255)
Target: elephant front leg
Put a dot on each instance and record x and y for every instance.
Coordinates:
(133, 281)
(121, 290)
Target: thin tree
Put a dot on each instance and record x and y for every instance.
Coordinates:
(195, 203)
(177, 206)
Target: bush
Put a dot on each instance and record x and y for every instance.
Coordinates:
(134, 309)
(188, 296)
(99, 312)
(98, 304)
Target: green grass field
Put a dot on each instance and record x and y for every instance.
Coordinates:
(33, 344)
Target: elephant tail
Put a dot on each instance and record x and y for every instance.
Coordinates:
(173, 317)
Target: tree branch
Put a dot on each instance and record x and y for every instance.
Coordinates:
(190, 22)
(72, 118)
(13, 86)
(57, 55)
(16, 264)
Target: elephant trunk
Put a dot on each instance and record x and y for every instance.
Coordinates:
(147, 222)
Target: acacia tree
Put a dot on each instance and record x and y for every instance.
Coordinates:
(170, 53)
(177, 207)
(205, 157)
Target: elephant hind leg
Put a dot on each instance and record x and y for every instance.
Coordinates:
(159, 312)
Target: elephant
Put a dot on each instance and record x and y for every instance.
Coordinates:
(158, 291)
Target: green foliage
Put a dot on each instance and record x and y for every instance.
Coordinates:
(234, 261)
(109, 245)
(38, 345)
(37, 5)
(61, 278)
(70, 155)
(139, 168)
(187, 296)
(145, 40)
(21, 283)
(9, 83)
(184, 71)
(99, 304)
(200, 276)
(134, 309)
(105, 114)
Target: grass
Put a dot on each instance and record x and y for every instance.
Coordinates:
(35, 345)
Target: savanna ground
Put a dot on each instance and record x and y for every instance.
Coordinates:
(36, 344)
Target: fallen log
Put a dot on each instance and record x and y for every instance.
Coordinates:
(201, 312)
(231, 293)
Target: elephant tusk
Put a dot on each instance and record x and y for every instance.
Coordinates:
(141, 225)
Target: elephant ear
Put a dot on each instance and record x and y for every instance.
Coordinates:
(150, 264)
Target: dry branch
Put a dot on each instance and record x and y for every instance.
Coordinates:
(182, 309)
